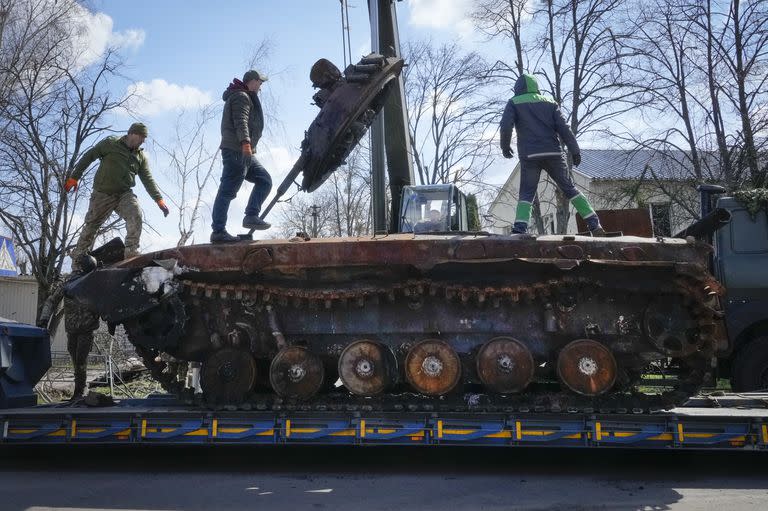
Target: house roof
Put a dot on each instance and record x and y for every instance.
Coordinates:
(608, 164)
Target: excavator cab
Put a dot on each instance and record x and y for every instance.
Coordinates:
(433, 208)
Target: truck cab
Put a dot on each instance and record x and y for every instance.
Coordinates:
(433, 208)
(740, 263)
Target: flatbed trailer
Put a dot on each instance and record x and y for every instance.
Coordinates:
(725, 422)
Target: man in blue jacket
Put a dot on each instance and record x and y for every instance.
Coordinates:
(539, 122)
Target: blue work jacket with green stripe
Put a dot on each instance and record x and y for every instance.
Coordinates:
(538, 121)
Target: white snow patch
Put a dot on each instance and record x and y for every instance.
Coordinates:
(154, 277)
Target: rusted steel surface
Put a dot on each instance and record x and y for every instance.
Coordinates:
(505, 365)
(631, 222)
(508, 314)
(367, 368)
(432, 367)
(587, 367)
(421, 252)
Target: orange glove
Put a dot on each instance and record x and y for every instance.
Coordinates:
(163, 207)
(70, 184)
(247, 152)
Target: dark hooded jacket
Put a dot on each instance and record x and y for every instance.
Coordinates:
(538, 121)
(242, 119)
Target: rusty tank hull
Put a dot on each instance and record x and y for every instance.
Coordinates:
(456, 321)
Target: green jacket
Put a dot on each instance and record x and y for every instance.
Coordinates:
(118, 168)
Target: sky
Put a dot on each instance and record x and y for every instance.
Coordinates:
(181, 55)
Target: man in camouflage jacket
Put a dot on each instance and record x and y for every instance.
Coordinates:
(79, 323)
(121, 161)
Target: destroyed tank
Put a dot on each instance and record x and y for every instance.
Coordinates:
(453, 321)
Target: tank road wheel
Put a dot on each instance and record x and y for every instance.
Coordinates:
(227, 376)
(587, 367)
(505, 365)
(367, 368)
(296, 372)
(432, 367)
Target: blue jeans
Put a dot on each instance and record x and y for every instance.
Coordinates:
(236, 169)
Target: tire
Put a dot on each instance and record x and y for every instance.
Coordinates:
(750, 366)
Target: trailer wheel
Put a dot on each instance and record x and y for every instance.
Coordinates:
(750, 366)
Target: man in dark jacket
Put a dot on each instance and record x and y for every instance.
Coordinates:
(241, 126)
(539, 122)
(121, 160)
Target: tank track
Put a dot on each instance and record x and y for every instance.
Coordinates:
(689, 288)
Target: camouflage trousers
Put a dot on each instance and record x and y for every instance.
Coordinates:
(101, 206)
(79, 346)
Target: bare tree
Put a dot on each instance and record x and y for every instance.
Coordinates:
(350, 196)
(193, 159)
(341, 207)
(53, 109)
(449, 114)
(745, 52)
(586, 72)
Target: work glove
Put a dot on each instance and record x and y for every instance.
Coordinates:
(163, 207)
(70, 184)
(508, 153)
(576, 159)
(246, 147)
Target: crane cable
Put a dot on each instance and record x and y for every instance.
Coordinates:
(345, 41)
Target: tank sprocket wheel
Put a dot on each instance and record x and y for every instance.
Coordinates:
(587, 367)
(505, 365)
(296, 372)
(227, 376)
(432, 367)
(367, 368)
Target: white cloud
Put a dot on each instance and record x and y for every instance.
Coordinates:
(442, 14)
(96, 35)
(156, 96)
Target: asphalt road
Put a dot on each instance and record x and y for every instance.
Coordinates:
(296, 478)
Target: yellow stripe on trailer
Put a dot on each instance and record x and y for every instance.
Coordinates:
(143, 428)
(518, 430)
(215, 431)
(345, 432)
(58, 432)
(439, 429)
(287, 428)
(362, 428)
(680, 435)
(74, 428)
(598, 431)
(765, 434)
(198, 432)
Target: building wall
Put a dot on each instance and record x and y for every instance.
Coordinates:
(603, 194)
(503, 209)
(18, 301)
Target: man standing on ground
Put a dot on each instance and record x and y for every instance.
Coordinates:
(121, 160)
(79, 323)
(242, 123)
(538, 122)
